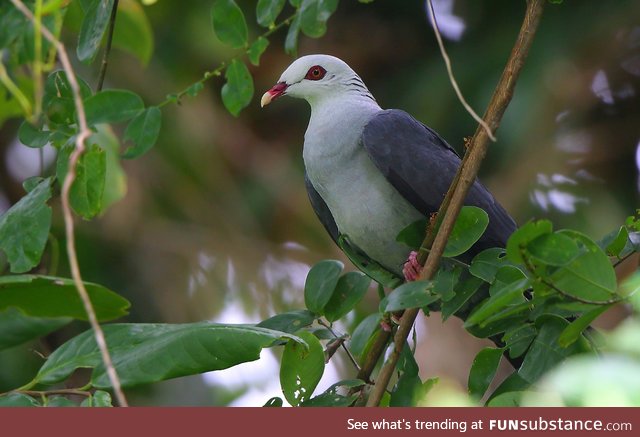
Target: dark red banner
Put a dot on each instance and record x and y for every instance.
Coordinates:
(325, 422)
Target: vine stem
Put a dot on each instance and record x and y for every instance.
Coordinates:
(83, 134)
(107, 49)
(464, 179)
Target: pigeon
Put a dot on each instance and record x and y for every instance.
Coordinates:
(371, 172)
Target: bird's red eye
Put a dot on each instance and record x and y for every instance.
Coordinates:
(315, 73)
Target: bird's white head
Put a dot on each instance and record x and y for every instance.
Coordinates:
(316, 77)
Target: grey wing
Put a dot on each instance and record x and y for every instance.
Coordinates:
(322, 210)
(421, 165)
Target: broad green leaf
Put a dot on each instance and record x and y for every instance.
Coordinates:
(331, 398)
(301, 368)
(363, 332)
(553, 249)
(18, 328)
(238, 90)
(590, 275)
(229, 24)
(295, 3)
(486, 263)
(31, 136)
(291, 41)
(465, 288)
(59, 401)
(18, 400)
(518, 338)
(572, 333)
(273, 402)
(314, 15)
(31, 183)
(13, 24)
(151, 352)
(500, 299)
(115, 186)
(88, 186)
(290, 322)
(320, 284)
(409, 390)
(445, 282)
(519, 240)
(268, 10)
(416, 294)
(133, 32)
(511, 383)
(24, 228)
(507, 399)
(194, 89)
(48, 296)
(350, 290)
(365, 264)
(469, 227)
(112, 106)
(483, 369)
(93, 27)
(57, 101)
(257, 49)
(545, 351)
(143, 130)
(99, 399)
(616, 246)
(413, 235)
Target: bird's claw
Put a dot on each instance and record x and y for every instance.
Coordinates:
(412, 267)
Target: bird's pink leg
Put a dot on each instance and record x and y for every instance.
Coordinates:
(412, 267)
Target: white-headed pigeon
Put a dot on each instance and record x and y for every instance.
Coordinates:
(372, 172)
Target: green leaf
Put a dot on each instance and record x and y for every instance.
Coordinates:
(133, 32)
(301, 368)
(229, 24)
(350, 290)
(238, 90)
(99, 399)
(545, 351)
(483, 369)
(273, 402)
(320, 284)
(617, 244)
(413, 235)
(268, 10)
(522, 237)
(469, 227)
(289, 322)
(363, 332)
(59, 401)
(331, 398)
(257, 49)
(88, 187)
(486, 263)
(31, 136)
(18, 328)
(143, 130)
(504, 295)
(572, 333)
(464, 289)
(414, 294)
(115, 186)
(314, 15)
(553, 249)
(112, 106)
(590, 275)
(508, 399)
(24, 228)
(512, 383)
(152, 352)
(291, 41)
(57, 101)
(518, 338)
(445, 282)
(48, 296)
(18, 400)
(194, 89)
(93, 27)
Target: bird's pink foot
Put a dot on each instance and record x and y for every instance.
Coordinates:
(412, 267)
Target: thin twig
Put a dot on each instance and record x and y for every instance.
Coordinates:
(83, 134)
(470, 166)
(454, 83)
(346, 349)
(64, 391)
(107, 49)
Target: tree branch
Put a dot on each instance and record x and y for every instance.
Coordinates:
(83, 133)
(466, 176)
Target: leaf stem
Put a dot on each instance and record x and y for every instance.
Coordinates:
(107, 49)
(346, 349)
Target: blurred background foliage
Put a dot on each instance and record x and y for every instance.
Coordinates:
(216, 225)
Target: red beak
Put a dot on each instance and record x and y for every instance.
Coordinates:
(275, 92)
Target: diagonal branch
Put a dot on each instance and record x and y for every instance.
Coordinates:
(83, 134)
(463, 181)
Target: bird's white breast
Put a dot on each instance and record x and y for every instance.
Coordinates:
(363, 203)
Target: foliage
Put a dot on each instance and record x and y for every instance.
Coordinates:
(535, 299)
